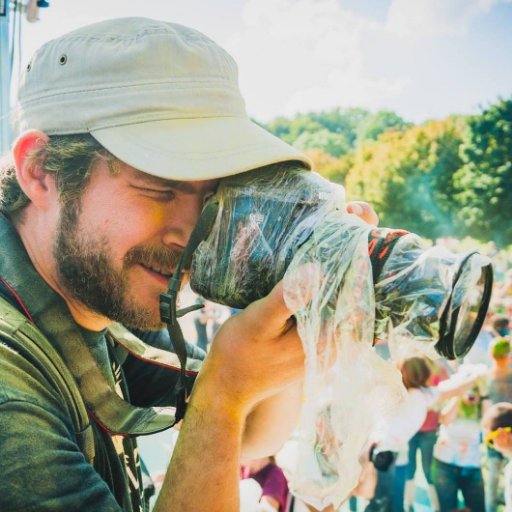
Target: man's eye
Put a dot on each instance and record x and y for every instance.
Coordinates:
(207, 197)
(159, 193)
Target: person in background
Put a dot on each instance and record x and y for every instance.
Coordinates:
(457, 459)
(479, 353)
(395, 435)
(271, 478)
(497, 427)
(207, 322)
(500, 390)
(501, 326)
(424, 441)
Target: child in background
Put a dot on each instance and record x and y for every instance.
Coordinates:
(457, 464)
(500, 390)
(497, 426)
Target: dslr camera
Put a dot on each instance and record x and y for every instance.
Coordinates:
(266, 218)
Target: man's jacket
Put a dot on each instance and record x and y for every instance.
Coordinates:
(55, 453)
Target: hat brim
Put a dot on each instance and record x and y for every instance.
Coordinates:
(196, 149)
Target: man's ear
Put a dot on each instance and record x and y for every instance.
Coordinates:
(37, 185)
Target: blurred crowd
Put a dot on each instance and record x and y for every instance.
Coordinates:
(435, 438)
(433, 451)
(435, 445)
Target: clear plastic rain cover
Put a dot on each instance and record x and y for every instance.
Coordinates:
(293, 224)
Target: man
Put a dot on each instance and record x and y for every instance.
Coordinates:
(497, 425)
(125, 128)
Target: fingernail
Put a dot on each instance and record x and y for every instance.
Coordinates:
(357, 209)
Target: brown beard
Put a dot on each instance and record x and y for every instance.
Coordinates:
(86, 271)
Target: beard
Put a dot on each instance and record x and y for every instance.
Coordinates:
(85, 268)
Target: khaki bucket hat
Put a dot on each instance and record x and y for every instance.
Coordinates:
(159, 96)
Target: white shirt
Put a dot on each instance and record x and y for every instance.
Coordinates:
(407, 421)
(459, 443)
(508, 487)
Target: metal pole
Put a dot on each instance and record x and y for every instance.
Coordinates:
(5, 79)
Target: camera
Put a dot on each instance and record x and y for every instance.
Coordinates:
(382, 459)
(268, 220)
(349, 284)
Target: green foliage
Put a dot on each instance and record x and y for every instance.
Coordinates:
(337, 131)
(342, 122)
(334, 144)
(290, 129)
(484, 181)
(374, 125)
(443, 178)
(407, 177)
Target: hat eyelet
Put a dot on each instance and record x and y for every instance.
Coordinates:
(63, 59)
(29, 66)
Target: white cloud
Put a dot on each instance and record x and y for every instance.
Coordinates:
(345, 91)
(424, 18)
(300, 55)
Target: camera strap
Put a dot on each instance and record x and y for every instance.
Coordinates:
(168, 301)
(380, 245)
(44, 315)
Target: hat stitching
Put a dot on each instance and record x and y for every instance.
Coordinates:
(176, 87)
(150, 119)
(196, 154)
(155, 30)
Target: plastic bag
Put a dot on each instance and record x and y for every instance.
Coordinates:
(292, 224)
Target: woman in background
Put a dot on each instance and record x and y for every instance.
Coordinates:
(395, 436)
(424, 441)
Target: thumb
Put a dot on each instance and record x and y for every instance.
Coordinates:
(364, 211)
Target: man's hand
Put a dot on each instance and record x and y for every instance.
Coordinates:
(364, 211)
(255, 354)
(253, 370)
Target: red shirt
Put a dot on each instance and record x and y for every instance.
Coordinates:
(272, 481)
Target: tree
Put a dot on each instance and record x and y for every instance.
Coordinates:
(408, 176)
(341, 122)
(290, 129)
(484, 181)
(328, 166)
(335, 144)
(376, 124)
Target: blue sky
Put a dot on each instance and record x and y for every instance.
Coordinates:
(422, 58)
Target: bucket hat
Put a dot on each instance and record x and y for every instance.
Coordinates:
(161, 97)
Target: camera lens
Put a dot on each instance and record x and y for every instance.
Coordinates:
(425, 299)
(464, 314)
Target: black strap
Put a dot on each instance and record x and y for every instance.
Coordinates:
(168, 301)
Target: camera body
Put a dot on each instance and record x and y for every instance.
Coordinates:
(382, 458)
(348, 284)
(267, 220)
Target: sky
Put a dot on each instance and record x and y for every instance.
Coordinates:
(424, 59)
